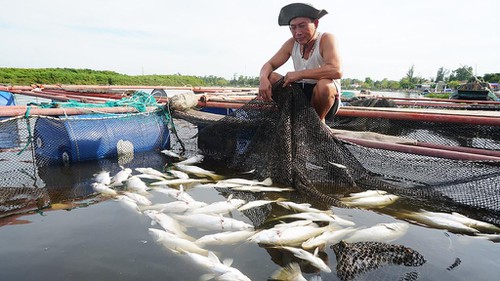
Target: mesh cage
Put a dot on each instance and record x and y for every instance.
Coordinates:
(34, 148)
(286, 141)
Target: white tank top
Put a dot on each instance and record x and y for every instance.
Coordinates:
(315, 60)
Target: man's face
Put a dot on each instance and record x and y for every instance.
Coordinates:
(302, 29)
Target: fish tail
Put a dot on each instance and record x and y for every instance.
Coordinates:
(289, 272)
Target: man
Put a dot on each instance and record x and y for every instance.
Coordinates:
(315, 59)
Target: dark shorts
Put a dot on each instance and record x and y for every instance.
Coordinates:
(308, 91)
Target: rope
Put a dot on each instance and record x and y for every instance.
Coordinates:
(30, 136)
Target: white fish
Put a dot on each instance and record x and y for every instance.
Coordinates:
(382, 232)
(127, 202)
(138, 198)
(177, 181)
(492, 237)
(103, 177)
(257, 188)
(302, 207)
(191, 160)
(222, 207)
(178, 194)
(313, 259)
(168, 223)
(198, 171)
(120, 177)
(212, 222)
(170, 153)
(338, 165)
(224, 238)
(291, 272)
(137, 185)
(103, 189)
(477, 224)
(240, 181)
(150, 177)
(438, 221)
(367, 193)
(220, 270)
(254, 204)
(330, 237)
(291, 236)
(371, 202)
(326, 217)
(174, 207)
(293, 223)
(178, 174)
(152, 172)
(174, 243)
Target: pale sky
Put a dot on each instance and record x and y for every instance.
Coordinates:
(377, 38)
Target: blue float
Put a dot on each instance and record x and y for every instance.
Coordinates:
(79, 138)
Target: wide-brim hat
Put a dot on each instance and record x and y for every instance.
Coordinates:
(295, 10)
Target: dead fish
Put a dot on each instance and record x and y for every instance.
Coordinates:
(224, 238)
(102, 177)
(177, 181)
(191, 160)
(290, 236)
(221, 271)
(137, 185)
(313, 259)
(338, 165)
(174, 207)
(127, 202)
(170, 153)
(257, 203)
(120, 177)
(371, 202)
(326, 217)
(382, 232)
(178, 174)
(222, 207)
(367, 193)
(326, 238)
(178, 194)
(168, 224)
(174, 243)
(198, 171)
(212, 222)
(152, 172)
(477, 224)
(240, 181)
(437, 221)
(103, 189)
(256, 188)
(302, 207)
(291, 272)
(138, 198)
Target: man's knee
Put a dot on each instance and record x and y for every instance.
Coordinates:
(326, 89)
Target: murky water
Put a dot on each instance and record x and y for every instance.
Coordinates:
(88, 237)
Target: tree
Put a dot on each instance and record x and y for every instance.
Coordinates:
(410, 73)
(441, 74)
(463, 73)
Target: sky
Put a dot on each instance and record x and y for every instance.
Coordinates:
(376, 38)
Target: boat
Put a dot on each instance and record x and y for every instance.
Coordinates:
(475, 90)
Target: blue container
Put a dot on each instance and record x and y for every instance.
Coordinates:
(217, 110)
(7, 98)
(89, 137)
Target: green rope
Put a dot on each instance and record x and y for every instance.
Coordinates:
(30, 136)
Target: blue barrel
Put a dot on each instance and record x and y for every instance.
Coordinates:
(7, 98)
(94, 136)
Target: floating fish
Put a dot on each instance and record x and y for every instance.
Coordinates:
(170, 153)
(120, 177)
(438, 221)
(222, 207)
(291, 272)
(178, 194)
(382, 232)
(152, 172)
(477, 224)
(103, 177)
(127, 202)
(220, 270)
(367, 193)
(224, 238)
(168, 223)
(174, 243)
(290, 236)
(257, 203)
(240, 181)
(256, 188)
(303, 207)
(327, 238)
(314, 216)
(178, 174)
(103, 189)
(338, 165)
(191, 160)
(313, 259)
(138, 198)
(177, 181)
(137, 185)
(212, 222)
(174, 207)
(379, 201)
(198, 171)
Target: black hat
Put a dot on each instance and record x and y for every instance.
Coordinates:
(294, 10)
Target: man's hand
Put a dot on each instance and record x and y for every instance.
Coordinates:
(291, 77)
(265, 91)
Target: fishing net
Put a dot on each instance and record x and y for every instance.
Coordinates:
(286, 141)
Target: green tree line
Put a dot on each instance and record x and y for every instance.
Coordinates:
(72, 76)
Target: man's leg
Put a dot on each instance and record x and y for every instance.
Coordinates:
(323, 98)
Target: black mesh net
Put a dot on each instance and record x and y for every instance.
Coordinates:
(286, 141)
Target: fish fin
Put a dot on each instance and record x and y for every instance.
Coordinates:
(316, 251)
(213, 257)
(290, 272)
(227, 262)
(267, 182)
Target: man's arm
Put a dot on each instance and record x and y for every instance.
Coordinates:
(280, 58)
(332, 68)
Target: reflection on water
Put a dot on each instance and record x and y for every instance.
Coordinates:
(84, 236)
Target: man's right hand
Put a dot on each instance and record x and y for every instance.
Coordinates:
(265, 91)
